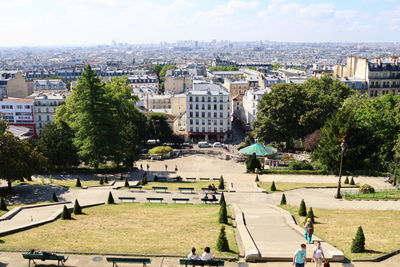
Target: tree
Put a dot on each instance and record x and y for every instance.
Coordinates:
(158, 126)
(223, 68)
(221, 185)
(222, 241)
(311, 141)
(310, 214)
(164, 70)
(78, 182)
(358, 244)
(157, 69)
(252, 163)
(126, 183)
(346, 181)
(302, 209)
(105, 179)
(18, 159)
(273, 187)
(56, 143)
(3, 205)
(65, 215)
(223, 215)
(110, 199)
(222, 200)
(54, 197)
(77, 208)
(283, 200)
(352, 181)
(276, 66)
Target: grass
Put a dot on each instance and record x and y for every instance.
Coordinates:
(387, 194)
(339, 227)
(284, 186)
(130, 228)
(173, 186)
(66, 183)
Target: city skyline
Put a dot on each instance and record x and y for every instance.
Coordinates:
(93, 22)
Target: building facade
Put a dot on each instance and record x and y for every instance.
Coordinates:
(45, 105)
(19, 112)
(250, 105)
(177, 81)
(47, 85)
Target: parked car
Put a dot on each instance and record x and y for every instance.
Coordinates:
(217, 144)
(203, 144)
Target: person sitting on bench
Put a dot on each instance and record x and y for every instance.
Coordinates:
(213, 197)
(207, 255)
(193, 256)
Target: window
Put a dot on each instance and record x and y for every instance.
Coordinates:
(190, 106)
(190, 114)
(208, 106)
(191, 121)
(197, 106)
(191, 129)
(203, 122)
(27, 107)
(221, 115)
(215, 106)
(19, 106)
(209, 122)
(221, 122)
(221, 107)
(215, 122)
(197, 99)
(48, 118)
(203, 99)
(191, 99)
(197, 114)
(197, 122)
(197, 129)
(203, 114)
(203, 106)
(215, 114)
(40, 118)
(203, 129)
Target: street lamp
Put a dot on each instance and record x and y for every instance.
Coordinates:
(342, 147)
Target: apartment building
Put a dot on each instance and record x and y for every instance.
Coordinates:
(250, 102)
(12, 84)
(45, 105)
(143, 81)
(208, 112)
(177, 81)
(18, 112)
(236, 87)
(48, 85)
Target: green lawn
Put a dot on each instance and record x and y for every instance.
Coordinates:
(173, 186)
(66, 183)
(130, 228)
(284, 186)
(389, 194)
(338, 227)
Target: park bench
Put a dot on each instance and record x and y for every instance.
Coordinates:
(204, 179)
(114, 260)
(216, 179)
(211, 200)
(127, 198)
(157, 188)
(155, 199)
(208, 190)
(135, 187)
(191, 189)
(44, 256)
(191, 179)
(188, 262)
(181, 199)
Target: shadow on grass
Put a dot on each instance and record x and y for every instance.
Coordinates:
(371, 251)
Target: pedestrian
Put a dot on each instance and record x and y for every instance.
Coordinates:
(141, 166)
(299, 258)
(166, 167)
(176, 168)
(308, 230)
(148, 167)
(318, 255)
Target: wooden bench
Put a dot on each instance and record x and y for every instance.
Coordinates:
(204, 179)
(157, 188)
(135, 187)
(44, 256)
(181, 199)
(191, 189)
(191, 179)
(187, 262)
(127, 198)
(216, 179)
(206, 189)
(205, 200)
(155, 199)
(114, 260)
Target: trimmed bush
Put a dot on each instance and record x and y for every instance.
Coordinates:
(155, 178)
(366, 189)
(110, 199)
(160, 150)
(310, 214)
(222, 241)
(346, 181)
(223, 215)
(77, 208)
(302, 209)
(101, 180)
(78, 182)
(221, 184)
(66, 215)
(358, 244)
(352, 181)
(300, 165)
(283, 200)
(222, 200)
(54, 197)
(3, 205)
(273, 187)
(144, 180)
(105, 180)
(257, 180)
(252, 163)
(126, 183)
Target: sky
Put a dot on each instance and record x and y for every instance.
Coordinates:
(93, 22)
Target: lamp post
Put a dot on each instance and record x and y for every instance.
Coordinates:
(342, 147)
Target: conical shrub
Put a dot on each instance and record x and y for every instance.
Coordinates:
(101, 180)
(3, 205)
(78, 182)
(346, 181)
(358, 244)
(222, 200)
(221, 185)
(110, 199)
(54, 197)
(66, 215)
(310, 214)
(223, 215)
(77, 208)
(126, 183)
(302, 209)
(222, 241)
(352, 181)
(257, 180)
(273, 187)
(283, 200)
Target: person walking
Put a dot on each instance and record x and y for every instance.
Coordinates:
(299, 258)
(141, 166)
(308, 230)
(166, 167)
(148, 167)
(176, 168)
(318, 255)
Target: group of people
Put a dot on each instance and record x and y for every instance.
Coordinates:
(299, 258)
(206, 256)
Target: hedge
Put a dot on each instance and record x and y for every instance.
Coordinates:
(160, 150)
(287, 171)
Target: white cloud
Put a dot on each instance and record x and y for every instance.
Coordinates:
(14, 3)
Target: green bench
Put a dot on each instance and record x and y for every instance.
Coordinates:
(155, 199)
(127, 198)
(135, 187)
(188, 262)
(114, 260)
(181, 199)
(191, 179)
(216, 179)
(211, 200)
(44, 256)
(158, 188)
(204, 179)
(206, 189)
(191, 189)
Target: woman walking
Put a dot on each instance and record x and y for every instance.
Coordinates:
(308, 230)
(318, 255)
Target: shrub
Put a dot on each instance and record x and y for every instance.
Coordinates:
(78, 182)
(101, 180)
(287, 171)
(302, 209)
(144, 180)
(222, 200)
(221, 184)
(273, 187)
(54, 197)
(223, 215)
(110, 199)
(77, 208)
(252, 163)
(3, 205)
(346, 181)
(283, 200)
(358, 244)
(366, 189)
(155, 178)
(105, 180)
(66, 215)
(310, 214)
(222, 241)
(257, 180)
(160, 150)
(126, 183)
(352, 181)
(300, 165)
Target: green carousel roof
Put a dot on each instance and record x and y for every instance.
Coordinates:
(259, 149)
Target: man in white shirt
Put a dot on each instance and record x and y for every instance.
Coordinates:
(207, 255)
